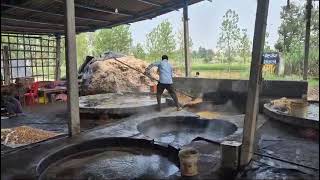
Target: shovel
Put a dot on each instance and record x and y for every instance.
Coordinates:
(182, 92)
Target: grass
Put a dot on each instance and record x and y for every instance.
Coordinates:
(314, 82)
(221, 67)
(240, 71)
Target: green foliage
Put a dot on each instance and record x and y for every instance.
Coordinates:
(138, 51)
(267, 47)
(82, 48)
(161, 40)
(203, 53)
(179, 55)
(292, 26)
(117, 39)
(229, 35)
(291, 39)
(244, 46)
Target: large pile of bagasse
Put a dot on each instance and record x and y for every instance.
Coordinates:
(111, 76)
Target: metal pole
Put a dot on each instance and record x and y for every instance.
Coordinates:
(252, 106)
(71, 66)
(58, 58)
(6, 67)
(307, 39)
(186, 39)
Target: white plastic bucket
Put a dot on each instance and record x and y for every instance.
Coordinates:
(189, 162)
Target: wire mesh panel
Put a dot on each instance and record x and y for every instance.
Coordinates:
(29, 56)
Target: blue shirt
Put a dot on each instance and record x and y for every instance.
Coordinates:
(165, 70)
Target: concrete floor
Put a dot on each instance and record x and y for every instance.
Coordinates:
(285, 144)
(51, 117)
(283, 152)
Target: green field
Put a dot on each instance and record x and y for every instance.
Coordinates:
(239, 71)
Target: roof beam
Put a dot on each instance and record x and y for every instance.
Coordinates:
(146, 15)
(104, 10)
(50, 13)
(154, 4)
(150, 2)
(36, 22)
(17, 28)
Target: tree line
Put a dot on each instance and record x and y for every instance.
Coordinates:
(292, 36)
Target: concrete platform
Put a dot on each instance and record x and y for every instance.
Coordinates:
(273, 138)
(117, 103)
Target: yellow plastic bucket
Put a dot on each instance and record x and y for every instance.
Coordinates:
(43, 100)
(189, 161)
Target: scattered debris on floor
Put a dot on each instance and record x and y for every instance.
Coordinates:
(187, 101)
(209, 114)
(24, 135)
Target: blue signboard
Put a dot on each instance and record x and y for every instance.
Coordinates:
(271, 58)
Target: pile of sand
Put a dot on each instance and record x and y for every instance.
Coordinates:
(110, 76)
(24, 135)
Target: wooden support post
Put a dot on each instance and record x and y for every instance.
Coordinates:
(252, 106)
(307, 40)
(72, 73)
(186, 39)
(6, 68)
(58, 58)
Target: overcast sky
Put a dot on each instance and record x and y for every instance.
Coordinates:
(206, 17)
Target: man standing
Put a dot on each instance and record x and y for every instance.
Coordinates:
(165, 81)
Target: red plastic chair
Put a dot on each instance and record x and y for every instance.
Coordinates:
(32, 96)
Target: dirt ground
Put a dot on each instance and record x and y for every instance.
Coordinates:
(313, 93)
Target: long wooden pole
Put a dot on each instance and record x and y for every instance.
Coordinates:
(307, 40)
(6, 66)
(252, 106)
(186, 39)
(72, 73)
(58, 58)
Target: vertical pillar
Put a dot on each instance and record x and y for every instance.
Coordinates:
(58, 58)
(307, 39)
(186, 39)
(252, 106)
(6, 68)
(71, 66)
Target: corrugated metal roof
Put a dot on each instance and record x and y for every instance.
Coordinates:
(47, 16)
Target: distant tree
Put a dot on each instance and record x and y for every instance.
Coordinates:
(292, 26)
(244, 46)
(195, 54)
(209, 56)
(82, 48)
(267, 47)
(138, 51)
(161, 41)
(180, 40)
(202, 52)
(117, 39)
(292, 36)
(229, 35)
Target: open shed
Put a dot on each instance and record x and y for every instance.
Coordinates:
(57, 18)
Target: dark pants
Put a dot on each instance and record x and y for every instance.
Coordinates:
(161, 87)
